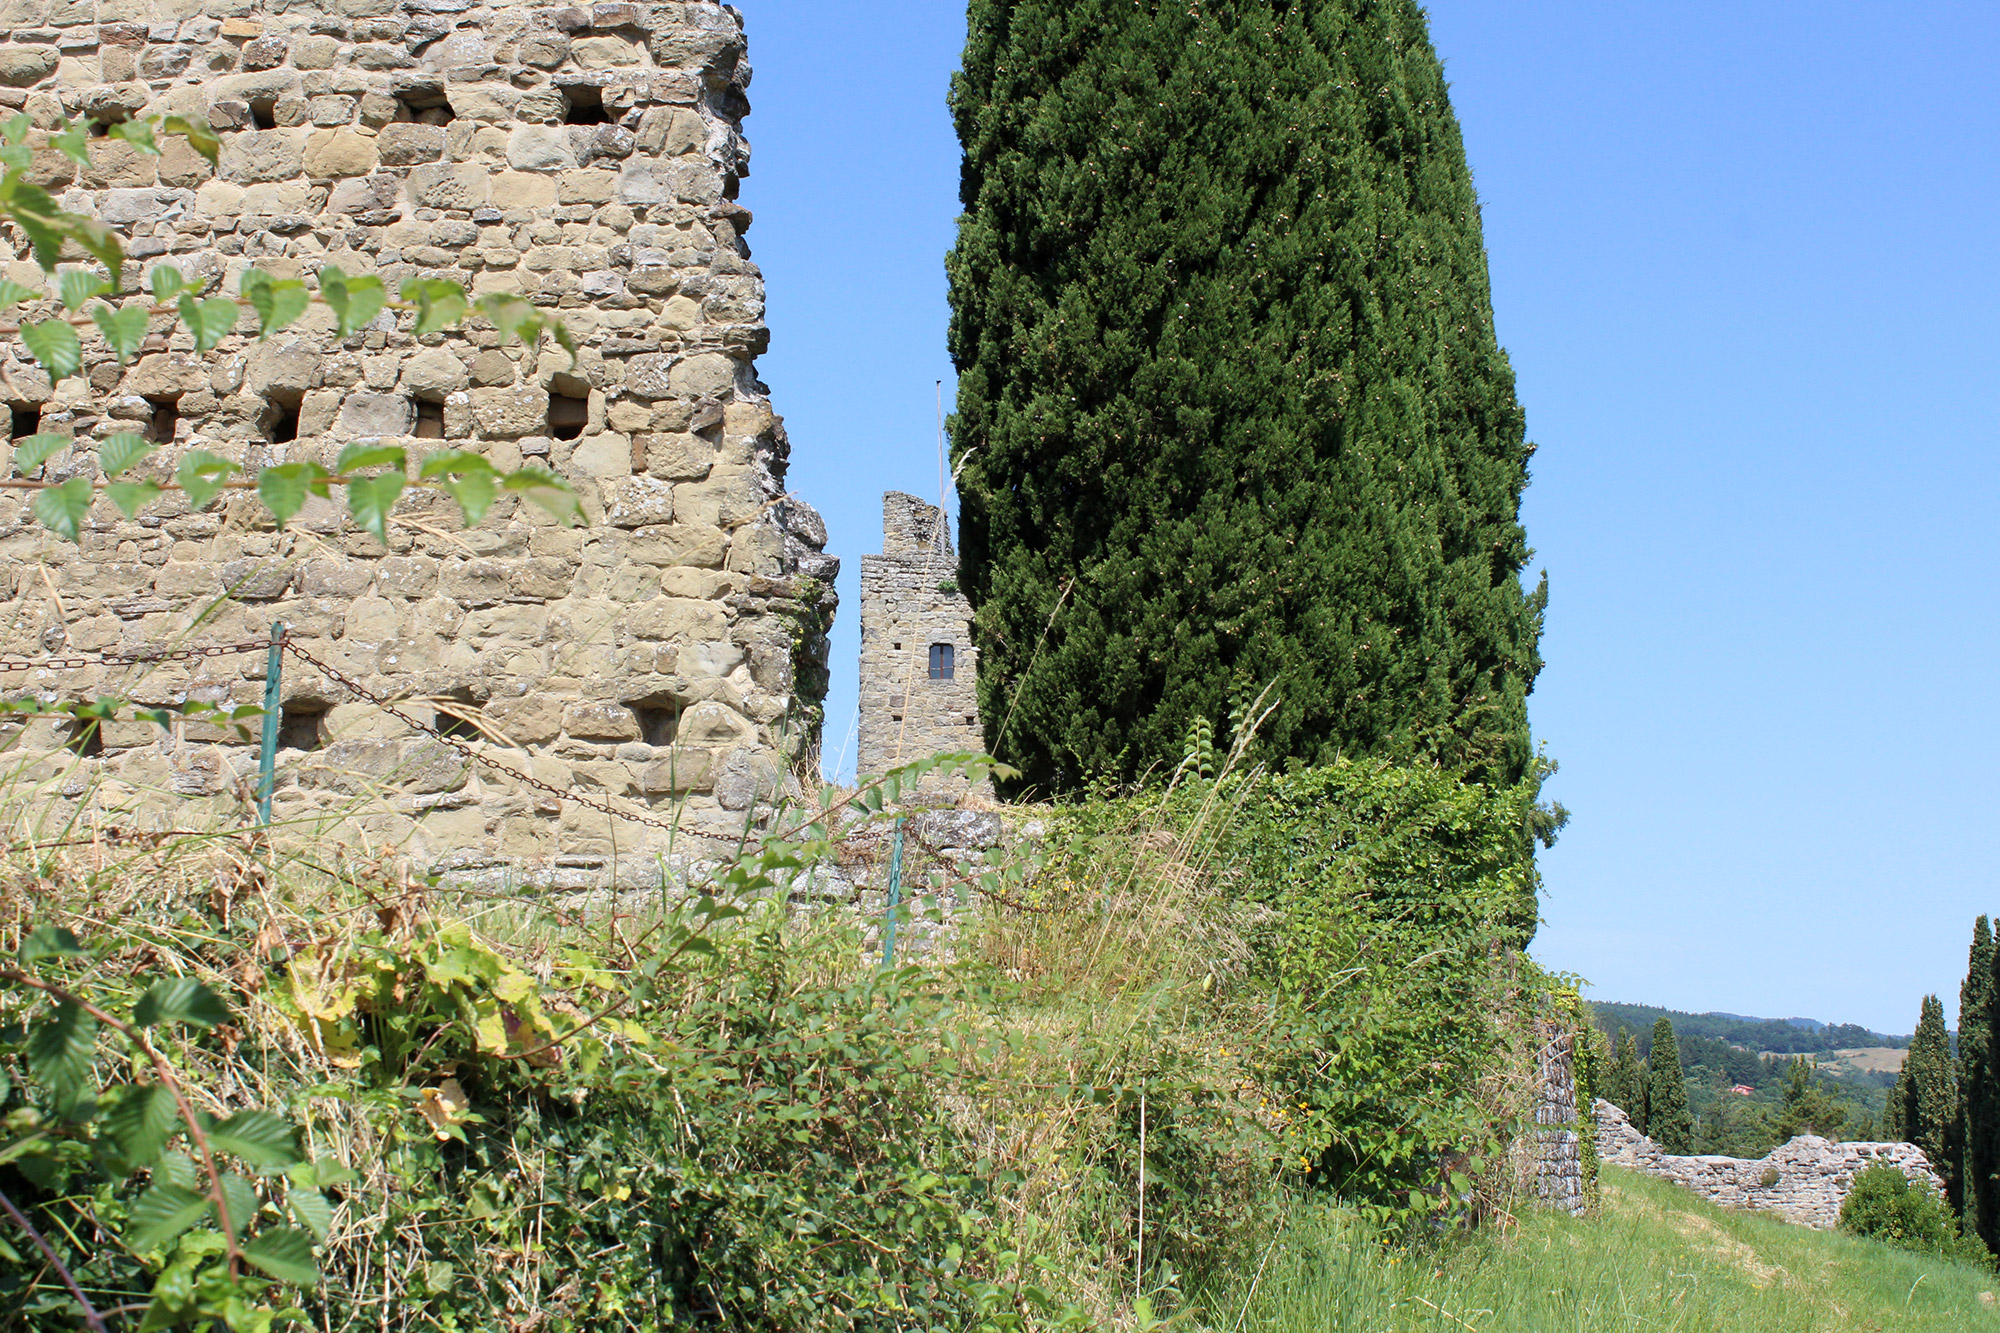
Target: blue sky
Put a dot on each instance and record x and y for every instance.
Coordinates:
(1745, 263)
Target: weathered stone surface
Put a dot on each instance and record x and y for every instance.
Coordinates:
(649, 659)
(914, 702)
(1803, 1181)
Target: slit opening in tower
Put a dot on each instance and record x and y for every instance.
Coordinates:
(430, 420)
(164, 420)
(84, 736)
(567, 416)
(281, 419)
(27, 421)
(264, 113)
(457, 723)
(302, 726)
(424, 106)
(658, 726)
(583, 104)
(944, 663)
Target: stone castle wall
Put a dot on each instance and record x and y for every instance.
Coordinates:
(909, 603)
(668, 656)
(1804, 1181)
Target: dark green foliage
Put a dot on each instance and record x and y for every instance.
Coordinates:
(1974, 1154)
(1893, 1112)
(1928, 1085)
(1622, 1084)
(1808, 1107)
(1773, 1035)
(1667, 1119)
(1231, 409)
(1885, 1206)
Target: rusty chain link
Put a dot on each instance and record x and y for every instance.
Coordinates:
(135, 659)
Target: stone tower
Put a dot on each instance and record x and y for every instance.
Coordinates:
(666, 658)
(918, 665)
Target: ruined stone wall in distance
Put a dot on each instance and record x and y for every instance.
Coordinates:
(909, 602)
(668, 656)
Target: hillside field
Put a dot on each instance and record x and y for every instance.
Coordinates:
(1655, 1258)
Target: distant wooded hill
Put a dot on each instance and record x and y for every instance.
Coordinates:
(1778, 1036)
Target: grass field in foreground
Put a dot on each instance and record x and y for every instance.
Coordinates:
(1655, 1258)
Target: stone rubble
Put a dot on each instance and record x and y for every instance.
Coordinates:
(1808, 1178)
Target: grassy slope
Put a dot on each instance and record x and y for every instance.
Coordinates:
(1656, 1259)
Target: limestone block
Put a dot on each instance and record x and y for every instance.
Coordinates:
(686, 132)
(706, 375)
(680, 544)
(405, 144)
(714, 724)
(590, 51)
(600, 722)
(166, 375)
(602, 456)
(677, 618)
(544, 50)
(117, 164)
(590, 186)
(283, 365)
(314, 53)
(679, 771)
(731, 495)
(483, 101)
(678, 457)
(533, 719)
(509, 414)
(433, 373)
(633, 502)
(262, 155)
(645, 180)
(517, 189)
(539, 148)
(429, 767)
(371, 414)
(25, 66)
(448, 185)
(331, 153)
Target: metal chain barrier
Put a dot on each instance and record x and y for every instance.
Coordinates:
(138, 659)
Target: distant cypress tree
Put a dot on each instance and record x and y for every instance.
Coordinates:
(1231, 409)
(1807, 1107)
(1667, 1118)
(1970, 1183)
(1623, 1084)
(1929, 1083)
(1893, 1111)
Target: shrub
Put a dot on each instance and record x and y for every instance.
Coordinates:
(1884, 1205)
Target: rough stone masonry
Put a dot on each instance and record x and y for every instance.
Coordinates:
(667, 657)
(1804, 1180)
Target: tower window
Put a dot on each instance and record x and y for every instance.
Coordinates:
(584, 105)
(299, 727)
(27, 420)
(456, 725)
(658, 726)
(166, 416)
(282, 422)
(430, 420)
(943, 661)
(264, 113)
(567, 416)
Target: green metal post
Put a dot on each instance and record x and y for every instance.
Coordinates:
(267, 758)
(895, 897)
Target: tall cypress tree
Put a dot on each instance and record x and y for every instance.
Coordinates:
(1970, 1181)
(1928, 1083)
(1623, 1084)
(1231, 409)
(1667, 1118)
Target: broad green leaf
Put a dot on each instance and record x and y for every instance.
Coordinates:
(357, 456)
(354, 301)
(17, 156)
(180, 1000)
(43, 234)
(209, 321)
(474, 495)
(545, 489)
(167, 282)
(62, 509)
(277, 301)
(202, 475)
(137, 133)
(285, 487)
(132, 496)
(311, 1208)
(72, 139)
(51, 942)
(142, 1122)
(54, 343)
(285, 1253)
(32, 452)
(77, 285)
(440, 304)
(123, 330)
(560, 332)
(162, 1213)
(461, 461)
(176, 1168)
(259, 1138)
(197, 133)
(15, 128)
(60, 1047)
(103, 244)
(371, 498)
(514, 317)
(13, 293)
(241, 1197)
(120, 452)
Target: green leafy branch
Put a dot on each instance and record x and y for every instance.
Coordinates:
(373, 476)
